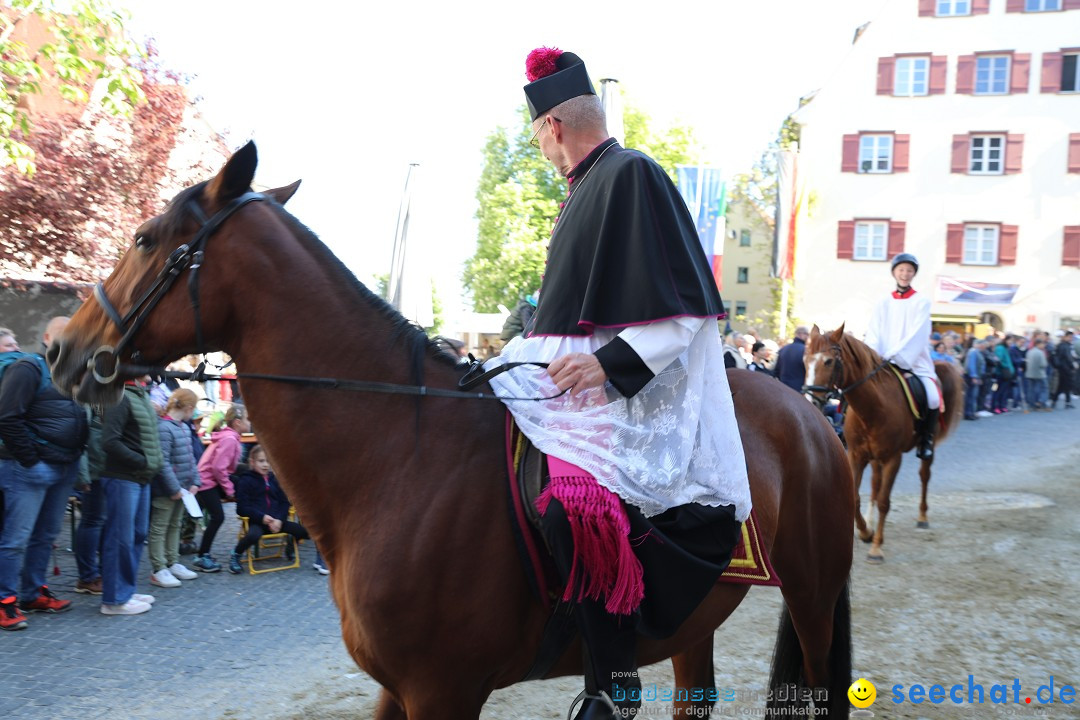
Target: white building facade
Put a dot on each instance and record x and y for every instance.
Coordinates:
(951, 131)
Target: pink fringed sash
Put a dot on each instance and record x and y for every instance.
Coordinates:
(604, 562)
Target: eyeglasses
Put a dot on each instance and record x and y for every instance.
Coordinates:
(534, 140)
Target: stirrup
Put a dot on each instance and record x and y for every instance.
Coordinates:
(584, 695)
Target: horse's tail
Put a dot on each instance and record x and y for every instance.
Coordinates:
(787, 669)
(952, 390)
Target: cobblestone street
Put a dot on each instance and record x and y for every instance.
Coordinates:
(268, 646)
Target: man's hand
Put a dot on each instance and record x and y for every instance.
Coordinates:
(274, 525)
(577, 372)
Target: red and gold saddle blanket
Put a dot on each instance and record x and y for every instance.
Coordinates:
(526, 470)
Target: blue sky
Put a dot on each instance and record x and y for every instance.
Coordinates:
(346, 98)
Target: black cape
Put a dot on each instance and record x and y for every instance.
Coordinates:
(625, 250)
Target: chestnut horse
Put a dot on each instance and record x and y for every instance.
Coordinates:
(878, 427)
(406, 495)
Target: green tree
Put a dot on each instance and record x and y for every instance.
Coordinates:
(89, 44)
(518, 200)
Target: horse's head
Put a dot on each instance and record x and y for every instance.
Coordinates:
(825, 370)
(168, 294)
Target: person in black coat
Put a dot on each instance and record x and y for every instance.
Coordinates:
(259, 498)
(789, 362)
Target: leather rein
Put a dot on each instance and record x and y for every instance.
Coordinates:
(190, 257)
(832, 390)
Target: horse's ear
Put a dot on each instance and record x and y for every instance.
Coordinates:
(838, 334)
(282, 194)
(235, 178)
(815, 331)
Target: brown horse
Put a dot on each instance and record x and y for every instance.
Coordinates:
(879, 427)
(406, 496)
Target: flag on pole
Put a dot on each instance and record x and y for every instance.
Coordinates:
(611, 99)
(789, 206)
(705, 193)
(409, 289)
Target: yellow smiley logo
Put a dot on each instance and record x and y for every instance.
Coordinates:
(862, 693)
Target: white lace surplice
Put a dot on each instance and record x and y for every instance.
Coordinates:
(675, 442)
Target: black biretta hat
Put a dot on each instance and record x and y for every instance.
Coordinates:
(554, 77)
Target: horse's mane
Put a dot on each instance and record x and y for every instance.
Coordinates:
(865, 356)
(417, 343)
(412, 335)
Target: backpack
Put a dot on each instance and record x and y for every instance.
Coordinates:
(7, 359)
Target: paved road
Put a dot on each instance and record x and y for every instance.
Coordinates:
(244, 646)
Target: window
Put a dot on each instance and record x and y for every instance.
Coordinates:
(948, 8)
(744, 275)
(911, 76)
(1070, 82)
(744, 238)
(1041, 5)
(870, 240)
(875, 153)
(980, 244)
(992, 74)
(986, 155)
(740, 307)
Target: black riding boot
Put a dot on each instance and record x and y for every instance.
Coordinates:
(927, 431)
(609, 641)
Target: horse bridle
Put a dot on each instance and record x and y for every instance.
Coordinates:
(833, 389)
(186, 257)
(190, 257)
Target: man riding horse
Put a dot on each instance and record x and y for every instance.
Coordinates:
(900, 332)
(648, 479)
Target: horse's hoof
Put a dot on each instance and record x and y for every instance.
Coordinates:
(867, 537)
(875, 559)
(922, 524)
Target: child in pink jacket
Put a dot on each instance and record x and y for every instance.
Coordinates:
(217, 463)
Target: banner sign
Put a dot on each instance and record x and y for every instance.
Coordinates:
(954, 290)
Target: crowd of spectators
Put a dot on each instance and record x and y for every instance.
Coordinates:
(127, 468)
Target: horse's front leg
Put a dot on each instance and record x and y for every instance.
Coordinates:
(858, 463)
(694, 669)
(924, 476)
(886, 473)
(388, 708)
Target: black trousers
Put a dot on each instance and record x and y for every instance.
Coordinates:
(609, 641)
(683, 552)
(256, 530)
(210, 502)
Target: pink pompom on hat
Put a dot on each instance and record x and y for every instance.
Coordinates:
(554, 77)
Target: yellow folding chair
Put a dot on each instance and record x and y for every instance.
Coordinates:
(271, 546)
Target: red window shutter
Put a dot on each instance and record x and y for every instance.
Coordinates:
(1074, 153)
(954, 243)
(849, 162)
(965, 75)
(960, 149)
(1070, 252)
(1014, 153)
(1007, 244)
(845, 240)
(980, 7)
(1020, 74)
(1072, 5)
(939, 64)
(1014, 6)
(901, 153)
(897, 230)
(886, 70)
(1051, 72)
(927, 8)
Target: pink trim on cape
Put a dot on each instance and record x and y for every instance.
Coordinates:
(590, 326)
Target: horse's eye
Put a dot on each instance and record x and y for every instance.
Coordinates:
(828, 362)
(144, 243)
